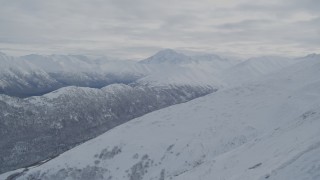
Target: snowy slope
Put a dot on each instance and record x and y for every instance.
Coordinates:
(80, 64)
(166, 75)
(253, 68)
(266, 129)
(170, 67)
(173, 68)
(17, 74)
(212, 63)
(57, 63)
(55, 122)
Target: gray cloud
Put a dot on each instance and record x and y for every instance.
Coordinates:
(134, 29)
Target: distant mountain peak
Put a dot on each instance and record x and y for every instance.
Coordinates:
(166, 56)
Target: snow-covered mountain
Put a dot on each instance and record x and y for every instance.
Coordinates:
(19, 75)
(70, 115)
(38, 74)
(267, 128)
(171, 67)
(254, 68)
(167, 56)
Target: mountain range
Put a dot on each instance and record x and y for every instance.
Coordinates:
(170, 116)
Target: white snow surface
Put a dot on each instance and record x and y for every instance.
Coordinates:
(267, 128)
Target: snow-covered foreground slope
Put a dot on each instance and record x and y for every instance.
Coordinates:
(267, 129)
(36, 128)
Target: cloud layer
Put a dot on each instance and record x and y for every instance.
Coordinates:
(134, 29)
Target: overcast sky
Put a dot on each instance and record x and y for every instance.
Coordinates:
(138, 28)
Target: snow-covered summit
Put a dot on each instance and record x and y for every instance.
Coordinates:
(167, 56)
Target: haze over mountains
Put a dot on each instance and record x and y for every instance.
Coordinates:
(253, 119)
